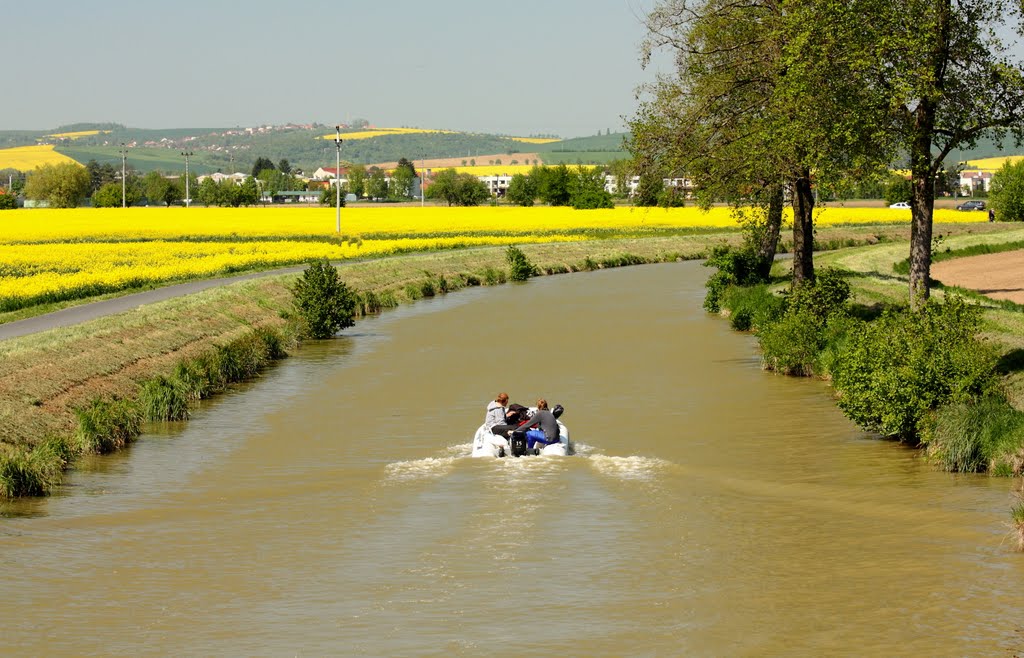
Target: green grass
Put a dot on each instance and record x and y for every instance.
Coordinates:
(142, 159)
(974, 438)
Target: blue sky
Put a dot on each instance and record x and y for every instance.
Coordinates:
(566, 67)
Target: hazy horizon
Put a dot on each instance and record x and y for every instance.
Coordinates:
(568, 68)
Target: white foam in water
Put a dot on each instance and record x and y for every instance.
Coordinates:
(628, 468)
(418, 469)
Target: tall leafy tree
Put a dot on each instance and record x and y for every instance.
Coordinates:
(61, 185)
(377, 185)
(521, 190)
(946, 80)
(357, 180)
(260, 165)
(759, 100)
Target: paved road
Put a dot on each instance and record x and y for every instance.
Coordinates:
(78, 314)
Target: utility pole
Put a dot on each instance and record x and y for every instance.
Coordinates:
(124, 155)
(337, 175)
(188, 199)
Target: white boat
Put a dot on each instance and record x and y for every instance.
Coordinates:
(488, 444)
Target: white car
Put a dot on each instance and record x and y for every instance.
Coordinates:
(902, 205)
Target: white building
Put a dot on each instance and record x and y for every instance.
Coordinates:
(975, 181)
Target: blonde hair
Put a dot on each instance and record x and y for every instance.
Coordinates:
(542, 403)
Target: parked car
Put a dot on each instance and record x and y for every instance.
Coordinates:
(901, 204)
(971, 205)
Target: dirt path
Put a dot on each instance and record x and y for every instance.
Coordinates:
(999, 276)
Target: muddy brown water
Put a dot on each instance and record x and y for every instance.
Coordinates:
(331, 509)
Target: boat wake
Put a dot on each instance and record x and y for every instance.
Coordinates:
(629, 468)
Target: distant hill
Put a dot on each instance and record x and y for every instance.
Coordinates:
(236, 149)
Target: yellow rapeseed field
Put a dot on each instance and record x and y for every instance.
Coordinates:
(78, 133)
(383, 132)
(53, 255)
(493, 170)
(536, 140)
(993, 164)
(27, 158)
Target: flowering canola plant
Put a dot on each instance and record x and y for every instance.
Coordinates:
(384, 132)
(27, 158)
(52, 255)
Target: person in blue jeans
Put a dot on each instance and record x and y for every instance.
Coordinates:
(548, 426)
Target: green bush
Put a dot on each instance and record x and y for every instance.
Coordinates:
(973, 437)
(520, 267)
(898, 368)
(19, 478)
(164, 399)
(757, 303)
(736, 267)
(795, 342)
(8, 201)
(105, 426)
(822, 298)
(324, 301)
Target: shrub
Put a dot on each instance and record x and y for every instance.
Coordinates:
(520, 267)
(493, 276)
(105, 426)
(973, 437)
(896, 369)
(19, 478)
(164, 399)
(1017, 517)
(826, 296)
(736, 267)
(757, 303)
(324, 301)
(8, 201)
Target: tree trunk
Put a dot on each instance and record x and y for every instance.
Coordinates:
(770, 238)
(803, 229)
(922, 206)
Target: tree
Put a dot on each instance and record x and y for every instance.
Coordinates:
(521, 190)
(329, 197)
(649, 190)
(761, 97)
(586, 189)
(323, 300)
(357, 180)
(897, 189)
(401, 183)
(552, 184)
(100, 175)
(109, 195)
(159, 189)
(377, 185)
(61, 185)
(457, 189)
(8, 201)
(248, 193)
(261, 164)
(943, 80)
(207, 194)
(404, 163)
(284, 167)
(1007, 193)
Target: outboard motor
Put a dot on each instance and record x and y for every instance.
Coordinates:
(518, 443)
(558, 410)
